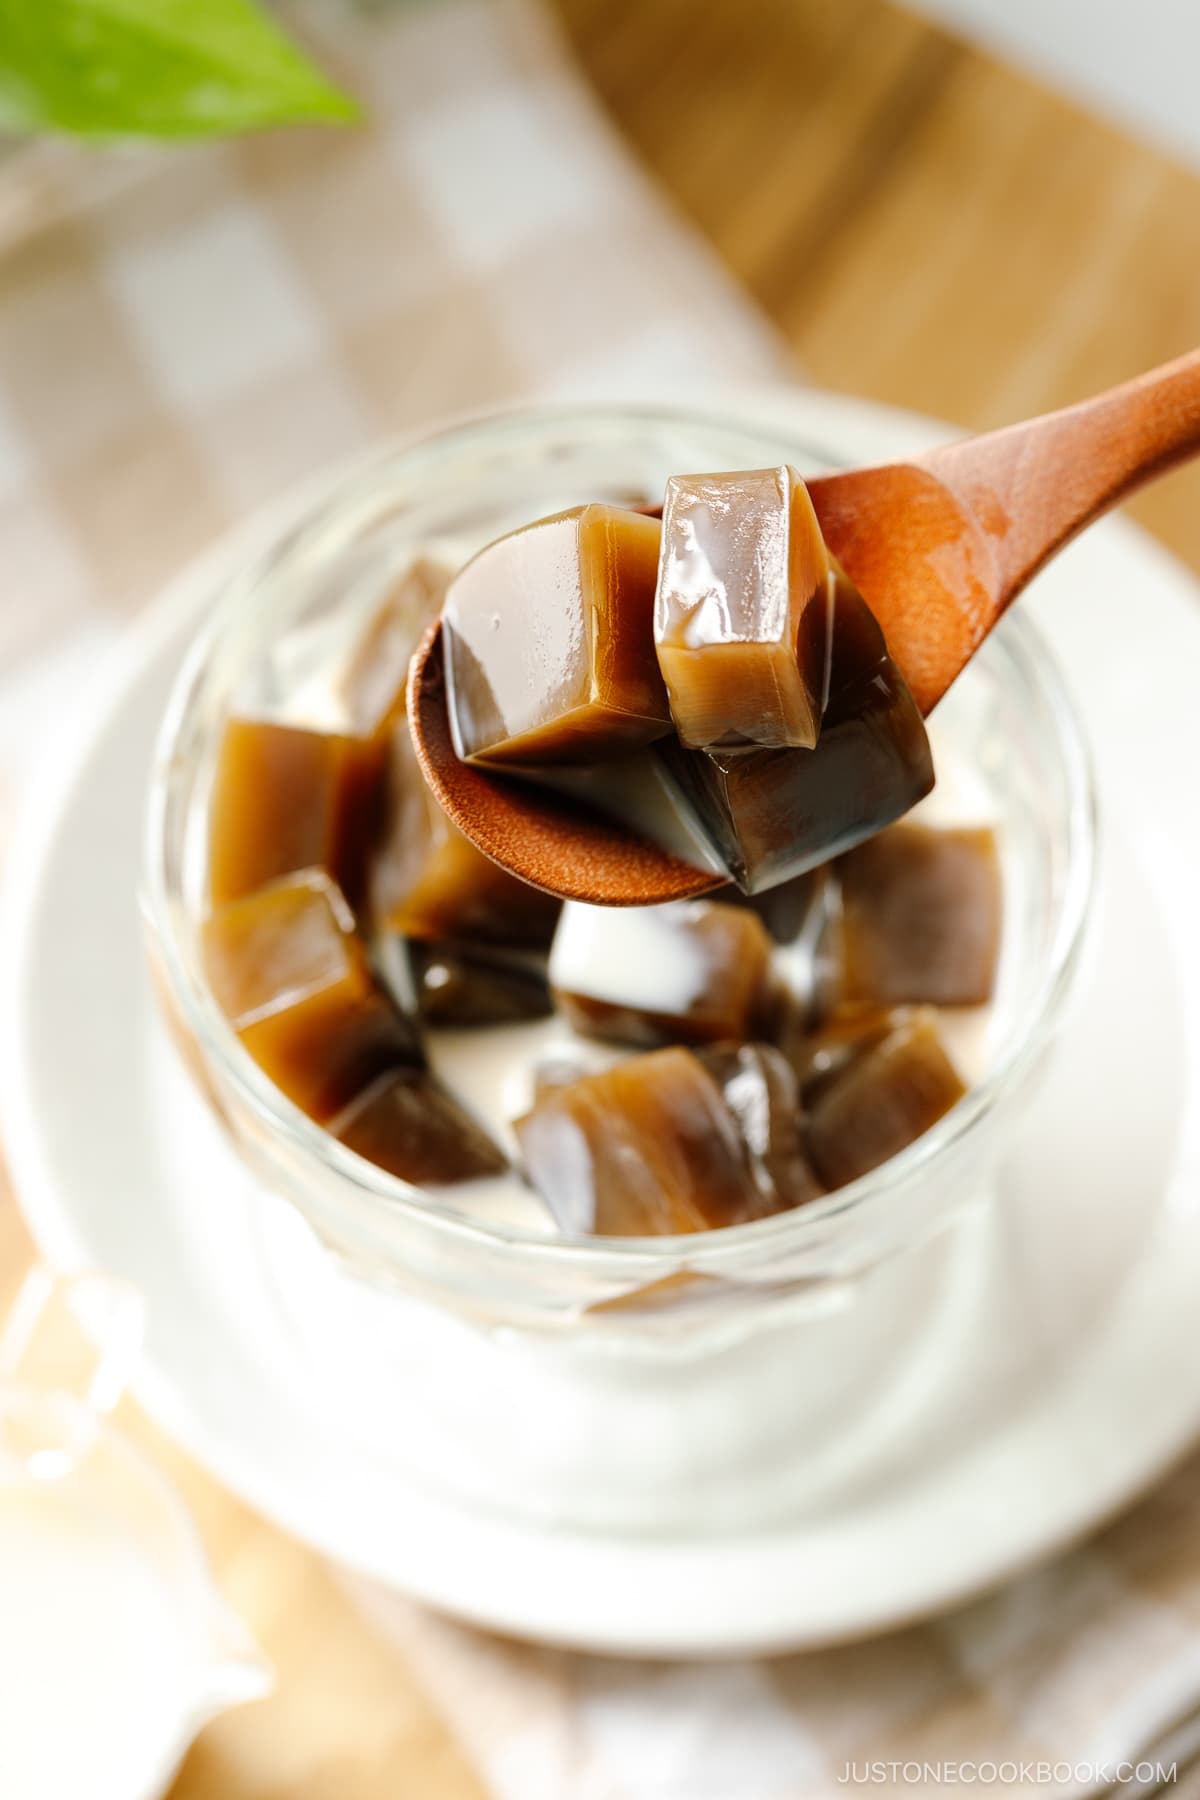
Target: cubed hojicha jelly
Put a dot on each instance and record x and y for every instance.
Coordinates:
(773, 814)
(429, 882)
(284, 799)
(460, 985)
(407, 1123)
(789, 910)
(287, 797)
(919, 919)
(819, 1053)
(291, 976)
(743, 613)
(760, 1091)
(880, 1100)
(647, 1148)
(550, 642)
(689, 973)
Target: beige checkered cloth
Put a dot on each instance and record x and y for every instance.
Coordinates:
(224, 320)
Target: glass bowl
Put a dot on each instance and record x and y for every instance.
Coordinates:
(621, 1305)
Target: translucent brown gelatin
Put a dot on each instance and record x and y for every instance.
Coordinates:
(919, 920)
(286, 799)
(760, 1091)
(819, 1055)
(291, 977)
(689, 973)
(743, 610)
(773, 814)
(647, 1148)
(786, 910)
(430, 882)
(882, 1100)
(408, 1124)
(457, 985)
(549, 642)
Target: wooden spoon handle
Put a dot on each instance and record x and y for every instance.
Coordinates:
(1033, 486)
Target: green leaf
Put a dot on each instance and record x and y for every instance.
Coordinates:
(153, 68)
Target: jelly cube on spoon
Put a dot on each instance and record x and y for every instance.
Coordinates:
(549, 642)
(743, 613)
(773, 814)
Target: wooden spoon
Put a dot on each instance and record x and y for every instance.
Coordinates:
(939, 546)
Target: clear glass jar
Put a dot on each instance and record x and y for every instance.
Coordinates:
(621, 1306)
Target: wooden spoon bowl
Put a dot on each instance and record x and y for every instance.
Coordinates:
(550, 841)
(939, 546)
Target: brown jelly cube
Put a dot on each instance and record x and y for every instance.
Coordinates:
(919, 919)
(743, 612)
(881, 1100)
(818, 1055)
(460, 985)
(647, 1148)
(638, 792)
(787, 910)
(428, 881)
(692, 972)
(290, 975)
(550, 642)
(286, 799)
(773, 814)
(760, 1091)
(410, 1125)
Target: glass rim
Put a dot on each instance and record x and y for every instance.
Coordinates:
(642, 1258)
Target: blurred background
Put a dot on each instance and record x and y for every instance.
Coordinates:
(977, 210)
(924, 222)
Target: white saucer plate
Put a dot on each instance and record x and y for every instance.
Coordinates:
(1072, 1381)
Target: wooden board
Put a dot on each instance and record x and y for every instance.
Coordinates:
(925, 226)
